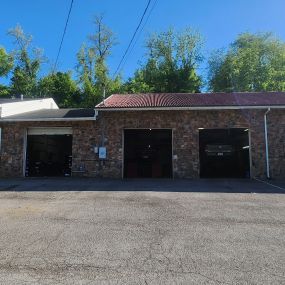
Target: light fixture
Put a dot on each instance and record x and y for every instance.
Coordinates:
(246, 130)
(201, 128)
(150, 129)
(246, 147)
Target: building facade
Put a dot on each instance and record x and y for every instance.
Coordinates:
(151, 135)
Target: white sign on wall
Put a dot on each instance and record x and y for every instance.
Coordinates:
(102, 153)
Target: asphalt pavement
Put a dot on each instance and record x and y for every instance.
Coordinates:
(156, 185)
(141, 232)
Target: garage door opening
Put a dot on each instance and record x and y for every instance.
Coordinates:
(48, 154)
(148, 153)
(224, 153)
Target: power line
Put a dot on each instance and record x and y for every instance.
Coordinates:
(63, 35)
(131, 41)
(153, 6)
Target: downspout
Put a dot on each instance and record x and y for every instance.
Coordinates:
(102, 120)
(101, 162)
(266, 144)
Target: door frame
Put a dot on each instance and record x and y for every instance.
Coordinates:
(25, 142)
(249, 143)
(123, 147)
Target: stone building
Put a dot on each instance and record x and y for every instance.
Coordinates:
(151, 136)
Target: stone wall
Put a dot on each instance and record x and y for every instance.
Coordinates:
(108, 130)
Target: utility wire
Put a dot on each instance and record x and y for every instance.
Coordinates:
(63, 35)
(139, 34)
(132, 39)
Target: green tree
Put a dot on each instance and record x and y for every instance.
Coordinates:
(27, 63)
(172, 59)
(137, 84)
(85, 71)
(6, 62)
(6, 65)
(4, 91)
(253, 62)
(92, 69)
(61, 87)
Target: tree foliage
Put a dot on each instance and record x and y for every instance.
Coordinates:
(6, 62)
(253, 62)
(4, 91)
(137, 84)
(172, 59)
(28, 60)
(61, 87)
(92, 70)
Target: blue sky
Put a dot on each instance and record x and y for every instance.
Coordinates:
(219, 21)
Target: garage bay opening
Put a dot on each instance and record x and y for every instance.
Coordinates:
(49, 152)
(148, 153)
(224, 153)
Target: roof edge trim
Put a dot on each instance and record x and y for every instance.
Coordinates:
(188, 108)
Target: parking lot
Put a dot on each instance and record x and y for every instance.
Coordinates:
(86, 231)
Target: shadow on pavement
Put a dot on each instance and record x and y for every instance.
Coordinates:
(157, 185)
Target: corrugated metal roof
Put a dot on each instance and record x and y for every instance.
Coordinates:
(157, 100)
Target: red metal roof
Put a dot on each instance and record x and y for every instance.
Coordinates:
(176, 100)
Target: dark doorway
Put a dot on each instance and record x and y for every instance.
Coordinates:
(49, 155)
(224, 153)
(148, 153)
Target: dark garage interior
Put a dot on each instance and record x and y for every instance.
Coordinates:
(49, 155)
(148, 153)
(224, 153)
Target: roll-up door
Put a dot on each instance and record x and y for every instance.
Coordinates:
(49, 151)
